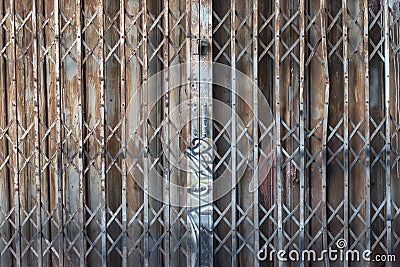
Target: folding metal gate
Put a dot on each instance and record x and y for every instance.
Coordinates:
(90, 156)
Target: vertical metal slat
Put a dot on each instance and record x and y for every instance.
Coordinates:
(188, 39)
(206, 130)
(102, 138)
(302, 130)
(194, 127)
(166, 137)
(387, 131)
(256, 95)
(346, 124)
(37, 137)
(278, 127)
(59, 136)
(325, 129)
(82, 210)
(14, 158)
(123, 134)
(367, 130)
(144, 137)
(234, 134)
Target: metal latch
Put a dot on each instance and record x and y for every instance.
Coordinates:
(203, 44)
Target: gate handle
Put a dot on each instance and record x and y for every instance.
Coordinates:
(203, 44)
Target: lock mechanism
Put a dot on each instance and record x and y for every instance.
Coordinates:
(203, 44)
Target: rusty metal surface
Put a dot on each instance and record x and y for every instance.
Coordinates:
(69, 159)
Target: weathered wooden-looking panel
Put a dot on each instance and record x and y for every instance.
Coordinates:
(78, 180)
